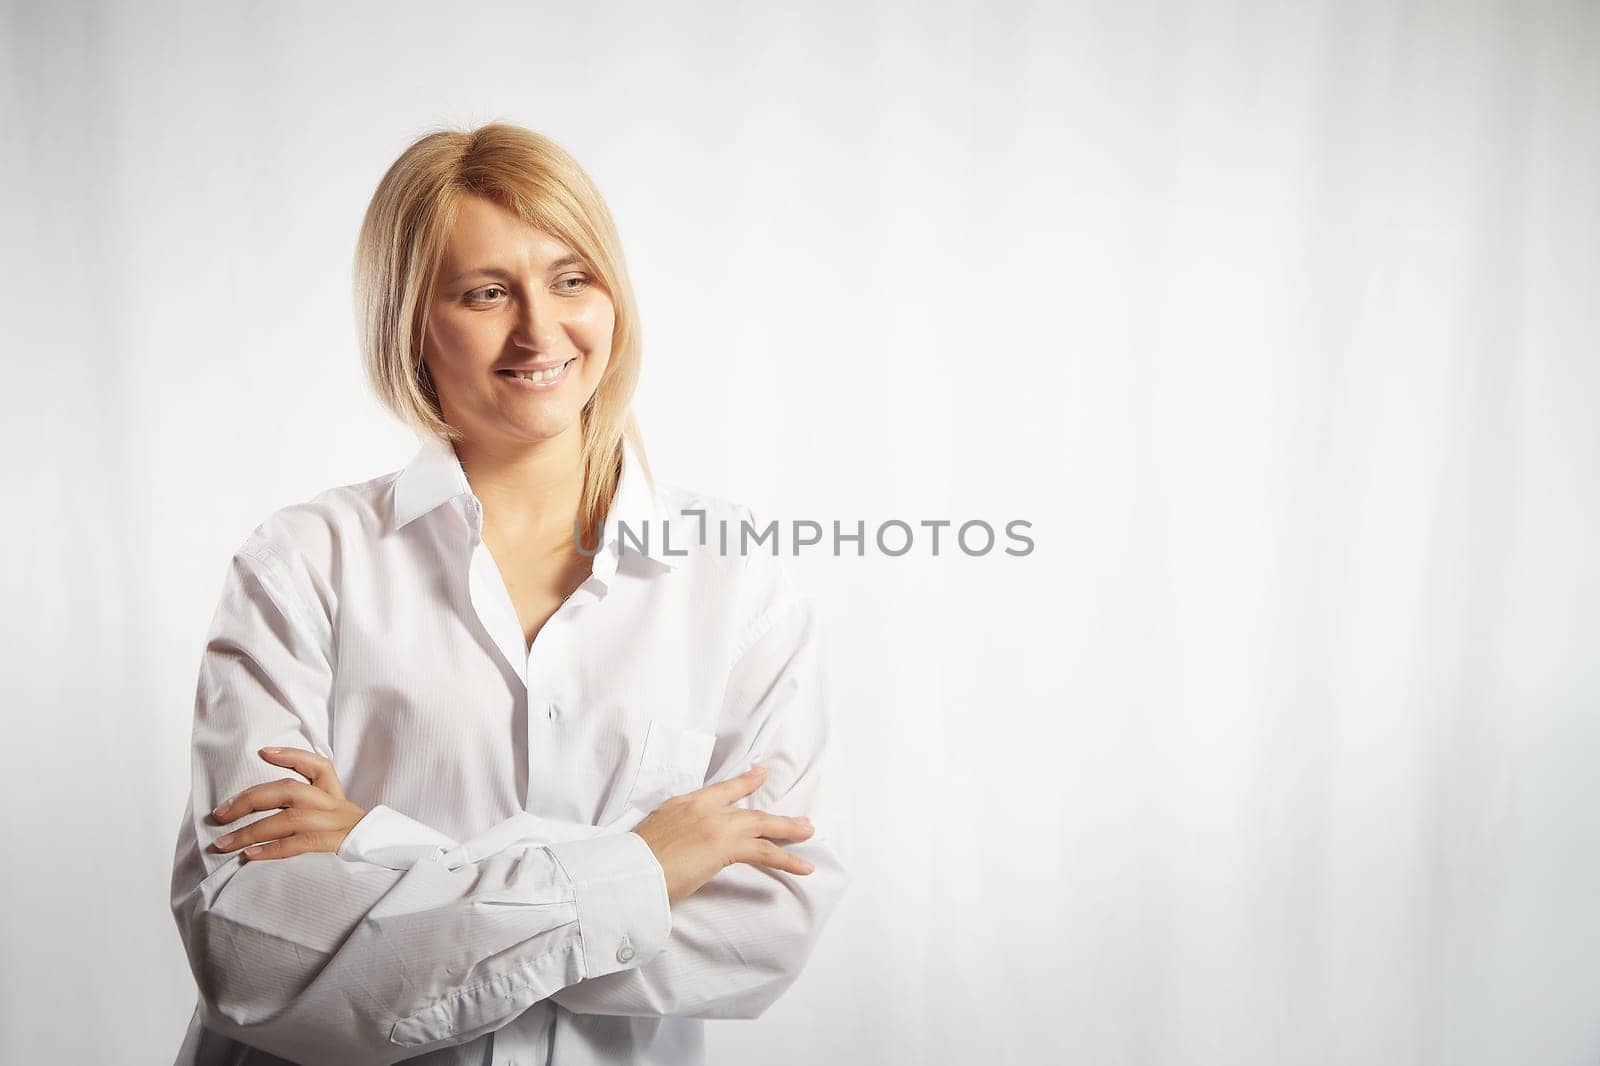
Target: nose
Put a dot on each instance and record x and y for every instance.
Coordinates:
(536, 325)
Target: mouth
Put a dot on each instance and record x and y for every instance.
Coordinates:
(538, 380)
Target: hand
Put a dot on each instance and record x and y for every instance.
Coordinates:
(696, 834)
(315, 817)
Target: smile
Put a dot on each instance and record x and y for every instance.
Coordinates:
(538, 380)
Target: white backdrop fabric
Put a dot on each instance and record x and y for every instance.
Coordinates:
(1278, 321)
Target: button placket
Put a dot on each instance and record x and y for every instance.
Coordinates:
(492, 602)
(546, 681)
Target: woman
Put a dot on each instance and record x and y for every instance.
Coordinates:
(455, 725)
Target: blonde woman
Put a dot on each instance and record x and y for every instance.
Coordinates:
(501, 757)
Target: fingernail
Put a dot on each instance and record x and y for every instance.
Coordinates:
(806, 867)
(272, 751)
(256, 850)
(216, 812)
(224, 840)
(805, 820)
(758, 769)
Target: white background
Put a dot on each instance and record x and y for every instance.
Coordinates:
(1277, 320)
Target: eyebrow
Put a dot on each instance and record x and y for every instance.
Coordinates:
(501, 272)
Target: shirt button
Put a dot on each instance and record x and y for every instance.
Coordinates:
(625, 952)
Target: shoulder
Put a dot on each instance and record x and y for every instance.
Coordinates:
(738, 548)
(710, 521)
(296, 549)
(313, 530)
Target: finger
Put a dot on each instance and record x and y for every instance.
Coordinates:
(779, 827)
(272, 795)
(271, 828)
(736, 787)
(298, 844)
(317, 769)
(766, 853)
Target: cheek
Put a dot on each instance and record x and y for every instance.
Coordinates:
(595, 336)
(594, 325)
(450, 345)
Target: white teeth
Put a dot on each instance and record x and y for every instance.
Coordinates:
(541, 375)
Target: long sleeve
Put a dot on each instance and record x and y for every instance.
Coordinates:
(387, 837)
(320, 959)
(739, 941)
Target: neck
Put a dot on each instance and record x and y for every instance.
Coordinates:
(529, 491)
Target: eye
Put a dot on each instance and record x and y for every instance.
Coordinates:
(478, 295)
(581, 279)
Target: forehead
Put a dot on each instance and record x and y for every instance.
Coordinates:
(486, 234)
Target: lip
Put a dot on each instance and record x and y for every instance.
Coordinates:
(537, 386)
(546, 365)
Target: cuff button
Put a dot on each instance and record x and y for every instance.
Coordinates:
(625, 952)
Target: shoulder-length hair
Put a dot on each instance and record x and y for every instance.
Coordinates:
(402, 242)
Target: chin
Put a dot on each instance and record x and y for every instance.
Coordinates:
(545, 428)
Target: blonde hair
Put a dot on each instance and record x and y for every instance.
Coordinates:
(402, 242)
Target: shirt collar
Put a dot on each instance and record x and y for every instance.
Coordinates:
(434, 477)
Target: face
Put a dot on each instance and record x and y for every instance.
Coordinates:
(510, 296)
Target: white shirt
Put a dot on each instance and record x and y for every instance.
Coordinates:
(492, 906)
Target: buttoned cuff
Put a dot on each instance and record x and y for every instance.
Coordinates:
(385, 837)
(624, 916)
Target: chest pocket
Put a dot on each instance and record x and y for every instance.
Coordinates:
(674, 761)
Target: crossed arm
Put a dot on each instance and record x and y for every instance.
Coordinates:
(419, 941)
